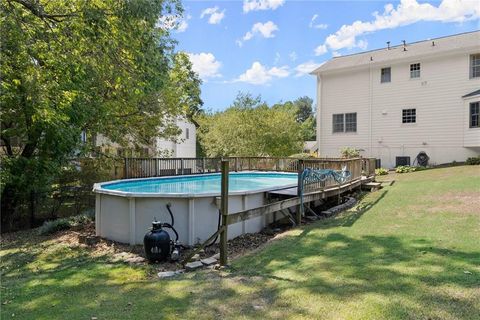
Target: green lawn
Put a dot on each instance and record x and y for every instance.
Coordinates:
(408, 251)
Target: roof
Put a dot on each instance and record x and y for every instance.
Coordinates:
(471, 94)
(416, 49)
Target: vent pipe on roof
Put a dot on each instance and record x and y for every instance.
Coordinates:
(388, 45)
(404, 45)
(433, 43)
(371, 58)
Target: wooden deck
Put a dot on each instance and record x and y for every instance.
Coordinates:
(293, 200)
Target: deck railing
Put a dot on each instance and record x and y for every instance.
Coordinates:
(157, 167)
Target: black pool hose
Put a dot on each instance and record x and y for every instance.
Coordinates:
(168, 225)
(218, 227)
(169, 205)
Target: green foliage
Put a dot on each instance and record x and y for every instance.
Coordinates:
(303, 109)
(406, 169)
(473, 161)
(250, 128)
(96, 66)
(53, 226)
(381, 171)
(349, 153)
(50, 227)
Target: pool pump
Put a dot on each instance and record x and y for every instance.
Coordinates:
(157, 242)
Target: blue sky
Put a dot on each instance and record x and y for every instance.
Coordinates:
(267, 46)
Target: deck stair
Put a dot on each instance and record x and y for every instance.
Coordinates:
(372, 186)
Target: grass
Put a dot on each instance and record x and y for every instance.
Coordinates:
(408, 251)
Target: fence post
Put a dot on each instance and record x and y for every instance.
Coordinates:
(224, 211)
(125, 163)
(181, 166)
(299, 193)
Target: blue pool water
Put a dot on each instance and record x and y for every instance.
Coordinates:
(238, 182)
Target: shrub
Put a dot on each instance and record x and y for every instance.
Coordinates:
(473, 161)
(348, 153)
(304, 155)
(381, 171)
(53, 226)
(406, 169)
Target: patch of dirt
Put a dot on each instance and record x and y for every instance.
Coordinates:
(461, 202)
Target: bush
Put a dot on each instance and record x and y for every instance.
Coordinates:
(381, 171)
(53, 226)
(406, 169)
(348, 153)
(473, 161)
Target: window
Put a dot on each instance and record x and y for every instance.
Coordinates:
(350, 122)
(409, 115)
(475, 65)
(187, 133)
(415, 70)
(338, 122)
(344, 122)
(474, 114)
(386, 75)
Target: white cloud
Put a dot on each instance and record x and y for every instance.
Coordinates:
(317, 26)
(266, 30)
(306, 67)
(293, 56)
(173, 22)
(259, 74)
(277, 58)
(255, 5)
(205, 64)
(216, 16)
(336, 54)
(321, 49)
(407, 12)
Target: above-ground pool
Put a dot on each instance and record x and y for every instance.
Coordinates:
(201, 185)
(125, 208)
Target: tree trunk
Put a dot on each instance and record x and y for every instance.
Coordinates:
(9, 203)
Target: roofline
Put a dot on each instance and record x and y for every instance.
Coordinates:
(314, 72)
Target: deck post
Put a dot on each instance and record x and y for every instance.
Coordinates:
(299, 193)
(224, 211)
(125, 164)
(181, 166)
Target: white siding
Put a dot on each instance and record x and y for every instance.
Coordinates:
(441, 129)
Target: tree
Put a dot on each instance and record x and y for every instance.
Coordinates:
(304, 107)
(183, 88)
(73, 66)
(250, 128)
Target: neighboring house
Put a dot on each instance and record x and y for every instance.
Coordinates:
(395, 102)
(310, 147)
(183, 146)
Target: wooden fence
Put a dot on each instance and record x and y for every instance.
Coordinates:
(157, 167)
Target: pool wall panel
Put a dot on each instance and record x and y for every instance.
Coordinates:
(114, 218)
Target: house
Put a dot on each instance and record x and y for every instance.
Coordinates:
(182, 146)
(310, 147)
(396, 102)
